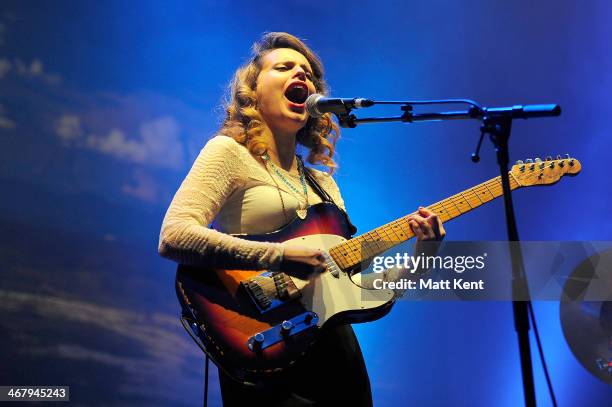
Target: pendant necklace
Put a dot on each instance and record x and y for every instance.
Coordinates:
(301, 212)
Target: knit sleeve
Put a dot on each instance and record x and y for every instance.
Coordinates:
(185, 236)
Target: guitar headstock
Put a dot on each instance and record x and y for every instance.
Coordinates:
(539, 172)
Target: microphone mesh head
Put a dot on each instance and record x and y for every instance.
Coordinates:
(311, 105)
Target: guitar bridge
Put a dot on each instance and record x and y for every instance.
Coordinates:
(270, 289)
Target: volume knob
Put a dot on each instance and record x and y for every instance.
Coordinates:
(286, 326)
(256, 342)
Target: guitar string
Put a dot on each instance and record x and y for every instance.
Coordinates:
(492, 186)
(444, 208)
(483, 193)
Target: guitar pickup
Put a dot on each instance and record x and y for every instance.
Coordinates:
(270, 289)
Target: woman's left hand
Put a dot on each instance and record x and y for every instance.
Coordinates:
(426, 225)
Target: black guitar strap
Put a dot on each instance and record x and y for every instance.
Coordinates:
(317, 188)
(325, 196)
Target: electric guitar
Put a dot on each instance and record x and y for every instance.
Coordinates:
(255, 324)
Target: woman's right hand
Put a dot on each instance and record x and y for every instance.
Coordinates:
(301, 261)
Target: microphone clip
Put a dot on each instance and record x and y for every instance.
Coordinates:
(407, 115)
(347, 120)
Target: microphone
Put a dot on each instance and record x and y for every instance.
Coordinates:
(317, 105)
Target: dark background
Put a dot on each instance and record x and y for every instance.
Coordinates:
(104, 106)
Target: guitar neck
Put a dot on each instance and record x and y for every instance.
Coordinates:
(352, 252)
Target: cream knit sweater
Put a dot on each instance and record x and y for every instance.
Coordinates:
(228, 185)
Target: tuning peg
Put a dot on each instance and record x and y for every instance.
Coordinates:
(542, 165)
(552, 164)
(567, 156)
(558, 157)
(538, 160)
(549, 158)
(528, 161)
(519, 162)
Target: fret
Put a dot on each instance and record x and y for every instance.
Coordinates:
(467, 201)
(402, 225)
(452, 201)
(366, 249)
(488, 190)
(444, 214)
(355, 252)
(493, 188)
(378, 241)
(461, 204)
(393, 233)
(384, 232)
(441, 211)
(484, 194)
(475, 196)
(451, 209)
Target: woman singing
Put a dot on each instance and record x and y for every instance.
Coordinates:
(249, 180)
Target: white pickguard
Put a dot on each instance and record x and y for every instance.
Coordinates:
(327, 295)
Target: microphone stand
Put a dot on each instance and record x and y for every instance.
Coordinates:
(497, 123)
(499, 132)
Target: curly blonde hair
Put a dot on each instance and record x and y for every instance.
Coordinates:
(244, 123)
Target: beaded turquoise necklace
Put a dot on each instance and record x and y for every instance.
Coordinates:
(301, 212)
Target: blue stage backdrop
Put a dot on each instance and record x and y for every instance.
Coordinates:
(105, 105)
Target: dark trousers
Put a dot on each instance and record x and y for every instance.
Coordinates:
(333, 373)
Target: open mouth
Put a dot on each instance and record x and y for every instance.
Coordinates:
(297, 93)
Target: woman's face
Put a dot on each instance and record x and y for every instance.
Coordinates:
(284, 83)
